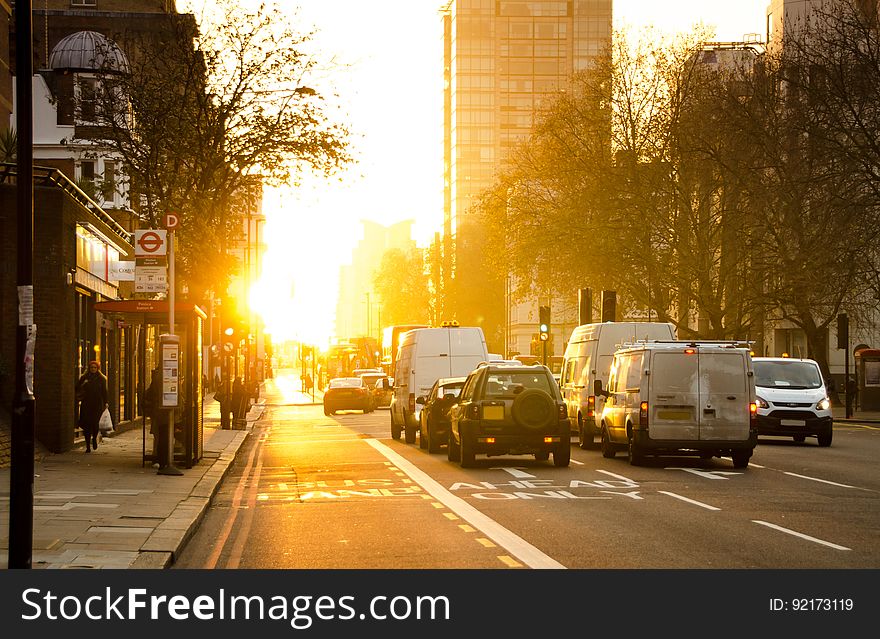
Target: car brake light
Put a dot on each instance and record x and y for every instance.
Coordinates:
(412, 402)
(753, 413)
(591, 406)
(643, 414)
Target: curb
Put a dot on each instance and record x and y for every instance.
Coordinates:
(168, 539)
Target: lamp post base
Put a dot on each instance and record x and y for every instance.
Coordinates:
(169, 470)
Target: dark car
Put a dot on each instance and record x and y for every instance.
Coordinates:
(380, 387)
(509, 410)
(434, 416)
(347, 393)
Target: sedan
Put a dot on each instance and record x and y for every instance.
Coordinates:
(347, 393)
(434, 417)
(380, 386)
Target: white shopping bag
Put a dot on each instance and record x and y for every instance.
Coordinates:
(105, 424)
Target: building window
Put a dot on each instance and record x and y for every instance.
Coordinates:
(83, 3)
(87, 99)
(108, 184)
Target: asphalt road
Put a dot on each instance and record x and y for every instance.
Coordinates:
(309, 491)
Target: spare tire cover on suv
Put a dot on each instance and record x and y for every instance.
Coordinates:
(533, 408)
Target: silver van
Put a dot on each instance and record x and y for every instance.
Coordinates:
(680, 398)
(587, 358)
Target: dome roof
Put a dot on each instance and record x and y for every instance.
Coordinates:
(87, 51)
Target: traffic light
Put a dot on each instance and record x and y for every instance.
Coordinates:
(843, 331)
(544, 323)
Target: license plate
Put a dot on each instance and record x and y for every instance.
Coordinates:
(493, 412)
(792, 422)
(674, 414)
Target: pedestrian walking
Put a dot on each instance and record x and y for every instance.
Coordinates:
(91, 393)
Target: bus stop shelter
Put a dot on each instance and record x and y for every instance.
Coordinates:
(152, 317)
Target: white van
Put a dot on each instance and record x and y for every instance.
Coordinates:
(424, 356)
(792, 399)
(588, 358)
(680, 398)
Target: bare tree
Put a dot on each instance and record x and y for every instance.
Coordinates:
(208, 111)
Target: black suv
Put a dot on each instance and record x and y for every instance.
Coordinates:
(506, 409)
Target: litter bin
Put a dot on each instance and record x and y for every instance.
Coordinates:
(868, 375)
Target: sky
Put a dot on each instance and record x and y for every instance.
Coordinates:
(386, 63)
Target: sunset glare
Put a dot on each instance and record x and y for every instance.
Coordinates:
(386, 68)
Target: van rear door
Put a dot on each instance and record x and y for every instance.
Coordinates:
(674, 399)
(724, 395)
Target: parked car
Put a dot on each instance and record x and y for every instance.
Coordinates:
(792, 399)
(434, 416)
(680, 398)
(380, 387)
(347, 393)
(509, 410)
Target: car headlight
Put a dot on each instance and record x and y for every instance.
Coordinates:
(824, 404)
(761, 402)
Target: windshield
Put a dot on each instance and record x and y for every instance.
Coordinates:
(787, 375)
(508, 384)
(346, 382)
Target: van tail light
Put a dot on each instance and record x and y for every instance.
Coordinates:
(473, 411)
(591, 406)
(643, 414)
(753, 414)
(412, 402)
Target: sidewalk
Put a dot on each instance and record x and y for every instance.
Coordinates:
(107, 509)
(858, 416)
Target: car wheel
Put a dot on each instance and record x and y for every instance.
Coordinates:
(395, 429)
(432, 443)
(410, 434)
(453, 452)
(824, 439)
(542, 455)
(608, 449)
(562, 454)
(636, 455)
(467, 455)
(800, 439)
(741, 458)
(423, 441)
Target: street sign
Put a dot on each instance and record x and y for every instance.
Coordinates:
(171, 220)
(150, 242)
(150, 279)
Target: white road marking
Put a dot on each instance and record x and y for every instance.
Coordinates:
(690, 501)
(824, 481)
(801, 535)
(579, 463)
(708, 474)
(616, 476)
(515, 545)
(516, 472)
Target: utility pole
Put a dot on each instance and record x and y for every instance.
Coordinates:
(21, 480)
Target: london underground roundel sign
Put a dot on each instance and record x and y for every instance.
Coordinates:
(150, 242)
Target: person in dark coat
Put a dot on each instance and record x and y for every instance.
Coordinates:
(153, 408)
(91, 392)
(239, 399)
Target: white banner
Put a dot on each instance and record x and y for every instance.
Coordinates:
(121, 272)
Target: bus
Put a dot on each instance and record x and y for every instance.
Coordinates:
(390, 342)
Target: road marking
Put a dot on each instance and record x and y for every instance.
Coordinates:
(579, 463)
(451, 516)
(437, 505)
(824, 481)
(690, 501)
(616, 476)
(708, 474)
(510, 561)
(801, 535)
(467, 529)
(517, 546)
(754, 465)
(485, 542)
(516, 472)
